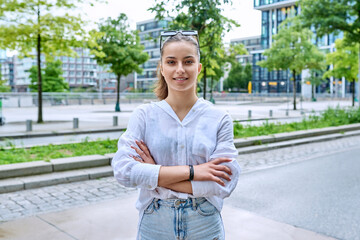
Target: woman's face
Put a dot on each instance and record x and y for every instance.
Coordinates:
(180, 66)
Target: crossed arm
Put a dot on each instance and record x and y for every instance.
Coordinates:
(176, 177)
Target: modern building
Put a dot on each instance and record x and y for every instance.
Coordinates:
(7, 69)
(149, 32)
(273, 13)
(250, 44)
(81, 71)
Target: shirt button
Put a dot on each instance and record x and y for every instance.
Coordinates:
(149, 187)
(182, 146)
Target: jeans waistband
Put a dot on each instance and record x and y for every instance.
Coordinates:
(177, 202)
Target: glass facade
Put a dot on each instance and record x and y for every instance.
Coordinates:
(259, 3)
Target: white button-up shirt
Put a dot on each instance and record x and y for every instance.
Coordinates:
(205, 133)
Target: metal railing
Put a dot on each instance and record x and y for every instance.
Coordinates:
(56, 99)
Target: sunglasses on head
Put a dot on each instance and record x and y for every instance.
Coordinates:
(169, 34)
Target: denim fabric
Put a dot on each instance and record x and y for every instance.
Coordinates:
(181, 219)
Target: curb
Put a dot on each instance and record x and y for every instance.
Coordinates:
(21, 176)
(60, 133)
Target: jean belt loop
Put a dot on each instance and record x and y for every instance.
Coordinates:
(193, 203)
(156, 203)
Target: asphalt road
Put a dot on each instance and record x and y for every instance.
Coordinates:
(320, 194)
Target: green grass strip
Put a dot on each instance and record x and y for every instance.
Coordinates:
(330, 117)
(17, 155)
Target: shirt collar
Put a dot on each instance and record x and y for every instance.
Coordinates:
(198, 106)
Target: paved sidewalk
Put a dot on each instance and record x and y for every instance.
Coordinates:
(117, 219)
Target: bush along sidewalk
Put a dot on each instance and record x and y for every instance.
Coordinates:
(330, 117)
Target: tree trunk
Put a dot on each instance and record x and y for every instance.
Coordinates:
(294, 89)
(40, 118)
(358, 95)
(211, 87)
(353, 93)
(204, 93)
(117, 106)
(313, 91)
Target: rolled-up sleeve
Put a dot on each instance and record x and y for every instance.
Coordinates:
(127, 171)
(224, 148)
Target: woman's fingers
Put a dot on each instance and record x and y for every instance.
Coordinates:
(223, 168)
(143, 147)
(218, 180)
(137, 159)
(138, 151)
(222, 175)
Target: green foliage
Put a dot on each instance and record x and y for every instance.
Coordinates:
(345, 62)
(329, 16)
(344, 59)
(121, 48)
(52, 78)
(205, 17)
(292, 49)
(239, 77)
(330, 117)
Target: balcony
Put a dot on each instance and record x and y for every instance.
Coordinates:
(272, 4)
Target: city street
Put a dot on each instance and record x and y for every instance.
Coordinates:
(321, 194)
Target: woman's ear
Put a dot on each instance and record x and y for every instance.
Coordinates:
(199, 68)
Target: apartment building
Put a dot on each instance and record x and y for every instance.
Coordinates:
(149, 32)
(273, 13)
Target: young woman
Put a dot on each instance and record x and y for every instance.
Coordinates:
(179, 152)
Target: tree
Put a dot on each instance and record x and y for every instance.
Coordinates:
(315, 78)
(239, 76)
(292, 49)
(345, 62)
(329, 16)
(52, 78)
(30, 24)
(204, 16)
(122, 50)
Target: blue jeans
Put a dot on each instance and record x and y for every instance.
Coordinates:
(181, 219)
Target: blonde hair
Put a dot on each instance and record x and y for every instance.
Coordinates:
(161, 88)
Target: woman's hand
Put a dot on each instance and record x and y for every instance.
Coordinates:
(143, 152)
(213, 171)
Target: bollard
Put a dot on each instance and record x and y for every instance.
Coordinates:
(28, 125)
(287, 112)
(115, 121)
(249, 114)
(104, 101)
(75, 123)
(270, 113)
(302, 112)
(92, 101)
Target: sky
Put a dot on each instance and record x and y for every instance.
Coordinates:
(241, 10)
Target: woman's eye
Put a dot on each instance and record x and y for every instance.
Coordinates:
(170, 62)
(189, 62)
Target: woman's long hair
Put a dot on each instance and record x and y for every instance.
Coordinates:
(161, 88)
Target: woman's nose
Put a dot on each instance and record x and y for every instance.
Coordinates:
(180, 68)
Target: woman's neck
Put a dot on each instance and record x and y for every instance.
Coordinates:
(182, 101)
